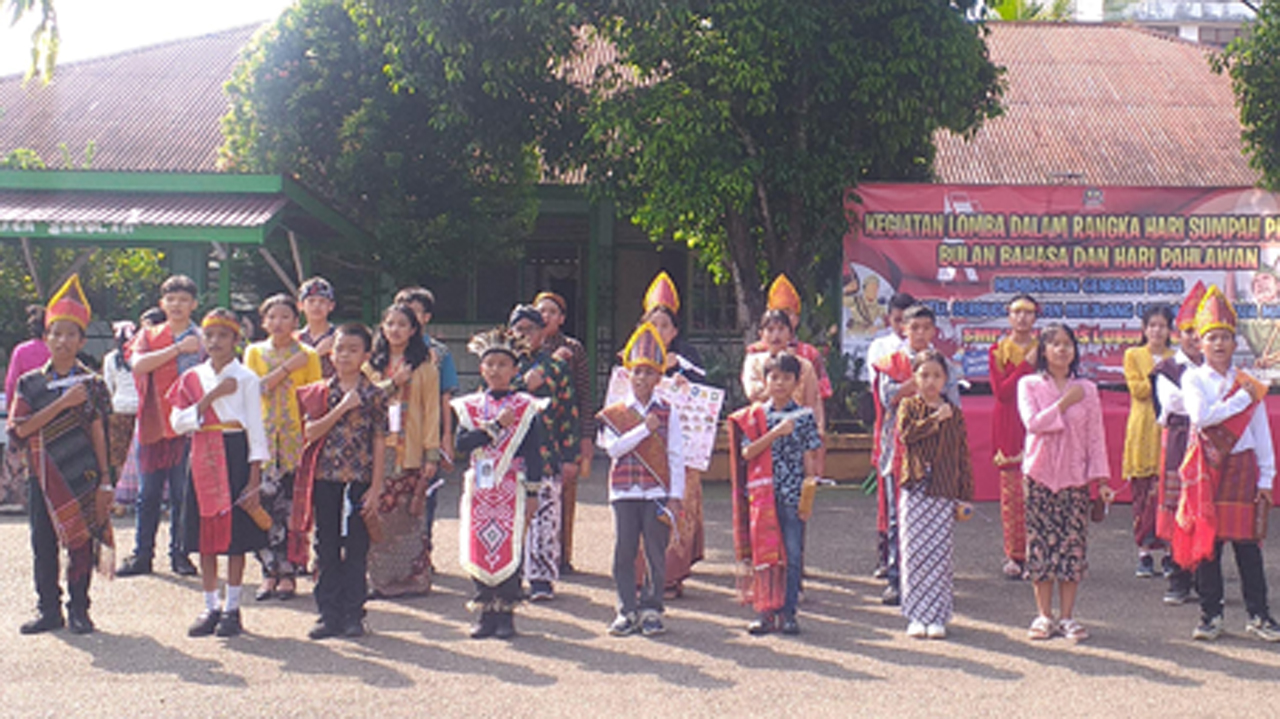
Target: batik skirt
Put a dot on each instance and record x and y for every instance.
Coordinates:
(927, 525)
(1057, 532)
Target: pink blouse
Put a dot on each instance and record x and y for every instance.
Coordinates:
(1064, 449)
(27, 356)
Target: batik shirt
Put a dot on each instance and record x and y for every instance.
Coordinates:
(347, 455)
(788, 450)
(561, 418)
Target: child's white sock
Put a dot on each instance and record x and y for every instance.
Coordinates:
(211, 600)
(233, 598)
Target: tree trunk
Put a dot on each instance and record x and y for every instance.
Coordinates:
(744, 259)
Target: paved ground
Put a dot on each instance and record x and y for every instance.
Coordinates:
(853, 658)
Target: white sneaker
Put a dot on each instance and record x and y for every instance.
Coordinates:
(916, 630)
(936, 631)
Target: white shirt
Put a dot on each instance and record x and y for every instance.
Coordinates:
(616, 446)
(124, 393)
(1202, 390)
(243, 406)
(882, 347)
(1169, 393)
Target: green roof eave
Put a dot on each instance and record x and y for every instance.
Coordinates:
(159, 182)
(135, 235)
(320, 210)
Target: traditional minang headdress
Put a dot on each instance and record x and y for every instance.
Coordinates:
(645, 348)
(1215, 313)
(564, 306)
(1186, 319)
(662, 293)
(498, 339)
(221, 317)
(69, 303)
(783, 296)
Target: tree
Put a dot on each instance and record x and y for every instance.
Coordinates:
(1252, 61)
(44, 38)
(737, 126)
(1055, 10)
(424, 120)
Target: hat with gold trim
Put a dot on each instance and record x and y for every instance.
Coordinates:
(783, 295)
(662, 293)
(69, 303)
(645, 349)
(1186, 319)
(1215, 313)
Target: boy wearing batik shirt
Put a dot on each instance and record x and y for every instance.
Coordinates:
(346, 417)
(773, 447)
(58, 414)
(642, 437)
(1227, 475)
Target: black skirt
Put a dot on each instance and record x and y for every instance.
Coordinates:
(245, 535)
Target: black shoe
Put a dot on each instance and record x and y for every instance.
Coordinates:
(134, 566)
(229, 625)
(205, 624)
(324, 630)
(1175, 597)
(567, 569)
(892, 596)
(354, 629)
(485, 627)
(44, 622)
(790, 626)
(182, 566)
(880, 572)
(78, 621)
(505, 625)
(1167, 566)
(762, 625)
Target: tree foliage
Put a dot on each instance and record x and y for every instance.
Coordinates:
(1052, 10)
(422, 119)
(737, 126)
(44, 36)
(1252, 61)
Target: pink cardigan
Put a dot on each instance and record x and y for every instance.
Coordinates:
(1063, 449)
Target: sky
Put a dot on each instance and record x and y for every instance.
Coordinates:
(93, 28)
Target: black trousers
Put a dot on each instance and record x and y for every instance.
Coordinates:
(502, 597)
(1252, 580)
(342, 561)
(44, 552)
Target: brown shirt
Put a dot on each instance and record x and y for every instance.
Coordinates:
(934, 449)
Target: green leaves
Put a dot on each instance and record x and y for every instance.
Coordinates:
(1252, 61)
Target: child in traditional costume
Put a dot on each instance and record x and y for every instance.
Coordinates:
(544, 375)
(317, 300)
(400, 562)
(158, 355)
(642, 437)
(500, 430)
(783, 296)
(773, 447)
(1142, 436)
(1011, 359)
(934, 476)
(1171, 413)
(776, 335)
(886, 344)
(58, 414)
(218, 403)
(1066, 452)
(554, 310)
(339, 481)
(684, 363)
(895, 383)
(283, 364)
(1226, 476)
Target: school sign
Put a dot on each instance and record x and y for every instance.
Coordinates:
(1093, 256)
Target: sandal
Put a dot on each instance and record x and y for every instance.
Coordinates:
(1042, 628)
(1073, 630)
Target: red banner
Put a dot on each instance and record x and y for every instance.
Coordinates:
(1094, 258)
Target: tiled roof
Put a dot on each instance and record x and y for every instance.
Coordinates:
(111, 208)
(1102, 105)
(155, 109)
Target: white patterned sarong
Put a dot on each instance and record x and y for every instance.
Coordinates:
(928, 530)
(542, 541)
